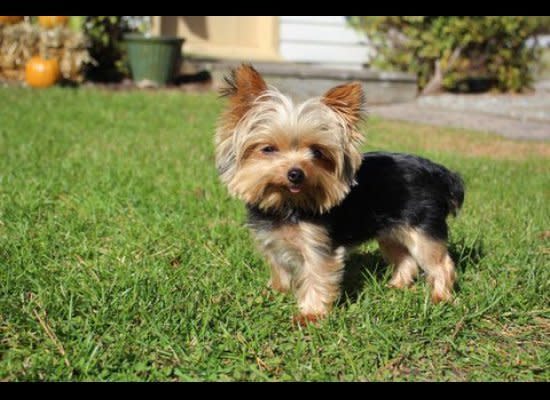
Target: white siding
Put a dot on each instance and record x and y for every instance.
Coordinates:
(334, 33)
(317, 20)
(323, 40)
(544, 41)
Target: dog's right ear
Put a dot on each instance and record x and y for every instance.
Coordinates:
(243, 86)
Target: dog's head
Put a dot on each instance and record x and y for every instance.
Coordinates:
(278, 156)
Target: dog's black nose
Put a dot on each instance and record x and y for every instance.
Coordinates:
(296, 176)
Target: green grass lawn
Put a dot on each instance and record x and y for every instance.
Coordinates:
(123, 258)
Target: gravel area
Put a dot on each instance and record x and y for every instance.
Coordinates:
(530, 107)
(523, 117)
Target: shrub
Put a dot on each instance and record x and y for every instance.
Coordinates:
(543, 23)
(444, 52)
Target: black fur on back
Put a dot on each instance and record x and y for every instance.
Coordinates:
(392, 190)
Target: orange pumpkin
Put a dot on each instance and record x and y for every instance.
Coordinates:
(49, 21)
(9, 19)
(41, 72)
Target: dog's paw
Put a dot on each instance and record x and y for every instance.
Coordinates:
(442, 297)
(399, 283)
(305, 319)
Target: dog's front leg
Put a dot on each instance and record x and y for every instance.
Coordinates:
(317, 283)
(280, 274)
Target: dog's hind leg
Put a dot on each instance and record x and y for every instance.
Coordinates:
(405, 269)
(434, 259)
(432, 256)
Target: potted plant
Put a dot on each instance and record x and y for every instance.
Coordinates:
(150, 57)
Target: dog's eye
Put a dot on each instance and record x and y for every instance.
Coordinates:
(269, 149)
(316, 153)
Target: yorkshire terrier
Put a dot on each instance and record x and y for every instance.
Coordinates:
(312, 195)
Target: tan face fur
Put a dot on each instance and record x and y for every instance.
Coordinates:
(263, 135)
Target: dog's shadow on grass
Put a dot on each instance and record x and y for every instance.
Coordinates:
(360, 266)
(466, 255)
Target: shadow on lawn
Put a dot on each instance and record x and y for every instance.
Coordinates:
(199, 77)
(361, 266)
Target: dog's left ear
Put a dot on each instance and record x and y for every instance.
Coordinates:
(347, 100)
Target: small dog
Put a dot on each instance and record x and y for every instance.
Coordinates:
(312, 195)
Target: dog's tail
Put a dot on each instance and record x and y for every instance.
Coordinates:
(455, 187)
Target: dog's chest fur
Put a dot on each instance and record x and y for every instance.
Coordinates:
(290, 240)
(284, 242)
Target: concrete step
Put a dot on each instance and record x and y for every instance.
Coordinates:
(542, 85)
(302, 81)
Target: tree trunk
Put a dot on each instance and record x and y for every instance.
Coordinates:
(435, 85)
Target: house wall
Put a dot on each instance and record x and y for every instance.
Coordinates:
(326, 41)
(253, 38)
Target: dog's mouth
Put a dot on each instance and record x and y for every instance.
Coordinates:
(295, 189)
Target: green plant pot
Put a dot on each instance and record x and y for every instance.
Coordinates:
(154, 58)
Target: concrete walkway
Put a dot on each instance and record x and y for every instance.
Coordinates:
(522, 117)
